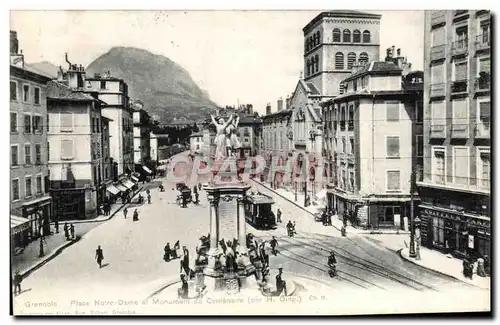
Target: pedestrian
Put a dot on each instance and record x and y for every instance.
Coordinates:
(147, 191)
(184, 200)
(135, 217)
(149, 198)
(196, 196)
(183, 292)
(168, 252)
(278, 215)
(99, 256)
(174, 251)
(480, 267)
(274, 244)
(125, 211)
(199, 186)
(72, 231)
(16, 281)
(195, 189)
(280, 284)
(66, 230)
(56, 225)
(185, 263)
(487, 264)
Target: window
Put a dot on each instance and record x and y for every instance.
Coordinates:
(347, 36)
(460, 112)
(420, 112)
(351, 144)
(336, 35)
(29, 191)
(366, 36)
(344, 149)
(392, 112)
(461, 39)
(438, 113)
(420, 145)
(13, 90)
(351, 58)
(484, 27)
(38, 184)
(318, 37)
(339, 61)
(392, 147)
(437, 74)
(48, 151)
(14, 158)
(316, 62)
(37, 124)
(461, 165)
(38, 154)
(460, 71)
(438, 170)
(103, 84)
(438, 36)
(97, 125)
(13, 122)
(37, 96)
(15, 189)
(356, 36)
(351, 181)
(438, 231)
(27, 154)
(363, 58)
(350, 122)
(484, 112)
(27, 123)
(393, 180)
(92, 120)
(26, 93)
(67, 149)
(308, 67)
(484, 65)
(66, 122)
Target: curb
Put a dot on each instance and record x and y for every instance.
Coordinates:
(163, 287)
(48, 258)
(436, 271)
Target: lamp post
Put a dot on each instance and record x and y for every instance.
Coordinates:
(41, 253)
(412, 216)
(417, 238)
(295, 190)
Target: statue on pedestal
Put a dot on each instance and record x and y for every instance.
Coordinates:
(220, 138)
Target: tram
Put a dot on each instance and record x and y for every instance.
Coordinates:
(258, 211)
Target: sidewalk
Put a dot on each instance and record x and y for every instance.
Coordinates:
(441, 263)
(336, 222)
(29, 260)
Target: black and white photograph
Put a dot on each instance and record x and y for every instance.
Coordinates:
(250, 162)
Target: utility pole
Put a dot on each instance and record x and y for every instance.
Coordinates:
(412, 217)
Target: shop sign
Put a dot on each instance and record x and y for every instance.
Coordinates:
(471, 241)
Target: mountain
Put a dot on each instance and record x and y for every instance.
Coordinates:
(44, 67)
(165, 88)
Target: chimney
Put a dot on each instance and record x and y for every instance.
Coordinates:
(268, 108)
(288, 101)
(14, 42)
(280, 104)
(393, 52)
(399, 52)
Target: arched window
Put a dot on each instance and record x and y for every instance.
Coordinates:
(351, 58)
(336, 35)
(308, 44)
(363, 58)
(366, 36)
(308, 67)
(347, 36)
(339, 61)
(316, 62)
(318, 37)
(356, 36)
(312, 65)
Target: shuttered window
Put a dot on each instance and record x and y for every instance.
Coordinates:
(461, 165)
(460, 114)
(485, 169)
(438, 111)
(438, 165)
(336, 35)
(66, 122)
(347, 36)
(67, 149)
(363, 58)
(392, 112)
(461, 71)
(438, 36)
(484, 112)
(351, 58)
(437, 74)
(484, 65)
(356, 36)
(339, 61)
(393, 180)
(392, 147)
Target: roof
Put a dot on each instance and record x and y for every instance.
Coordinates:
(29, 74)
(280, 113)
(376, 68)
(313, 89)
(366, 93)
(196, 134)
(249, 119)
(106, 118)
(56, 90)
(340, 14)
(260, 199)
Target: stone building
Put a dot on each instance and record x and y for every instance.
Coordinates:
(142, 138)
(455, 189)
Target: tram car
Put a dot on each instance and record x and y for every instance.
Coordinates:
(258, 211)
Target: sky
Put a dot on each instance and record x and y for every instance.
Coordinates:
(237, 56)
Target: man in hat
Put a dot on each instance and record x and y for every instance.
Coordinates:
(17, 282)
(278, 215)
(280, 284)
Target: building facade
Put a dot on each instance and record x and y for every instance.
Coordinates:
(196, 144)
(455, 190)
(333, 42)
(30, 203)
(114, 92)
(142, 134)
(372, 130)
(153, 145)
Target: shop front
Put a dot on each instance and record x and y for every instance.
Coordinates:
(19, 232)
(112, 193)
(69, 204)
(38, 212)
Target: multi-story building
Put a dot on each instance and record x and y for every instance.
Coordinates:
(30, 203)
(455, 190)
(153, 145)
(107, 167)
(114, 92)
(374, 126)
(277, 135)
(196, 144)
(249, 130)
(142, 131)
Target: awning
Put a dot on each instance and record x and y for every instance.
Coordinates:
(121, 187)
(18, 224)
(112, 189)
(135, 179)
(147, 170)
(39, 200)
(128, 184)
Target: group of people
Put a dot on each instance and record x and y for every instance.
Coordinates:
(290, 227)
(483, 266)
(135, 216)
(69, 230)
(171, 253)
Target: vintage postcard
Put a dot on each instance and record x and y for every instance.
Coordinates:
(332, 162)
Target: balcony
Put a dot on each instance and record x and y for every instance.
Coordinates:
(438, 17)
(459, 47)
(459, 87)
(437, 90)
(482, 130)
(460, 131)
(482, 42)
(465, 184)
(437, 131)
(350, 125)
(482, 83)
(438, 52)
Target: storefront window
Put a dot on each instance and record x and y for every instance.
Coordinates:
(438, 231)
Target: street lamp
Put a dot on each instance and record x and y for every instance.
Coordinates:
(295, 190)
(417, 237)
(41, 253)
(412, 216)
